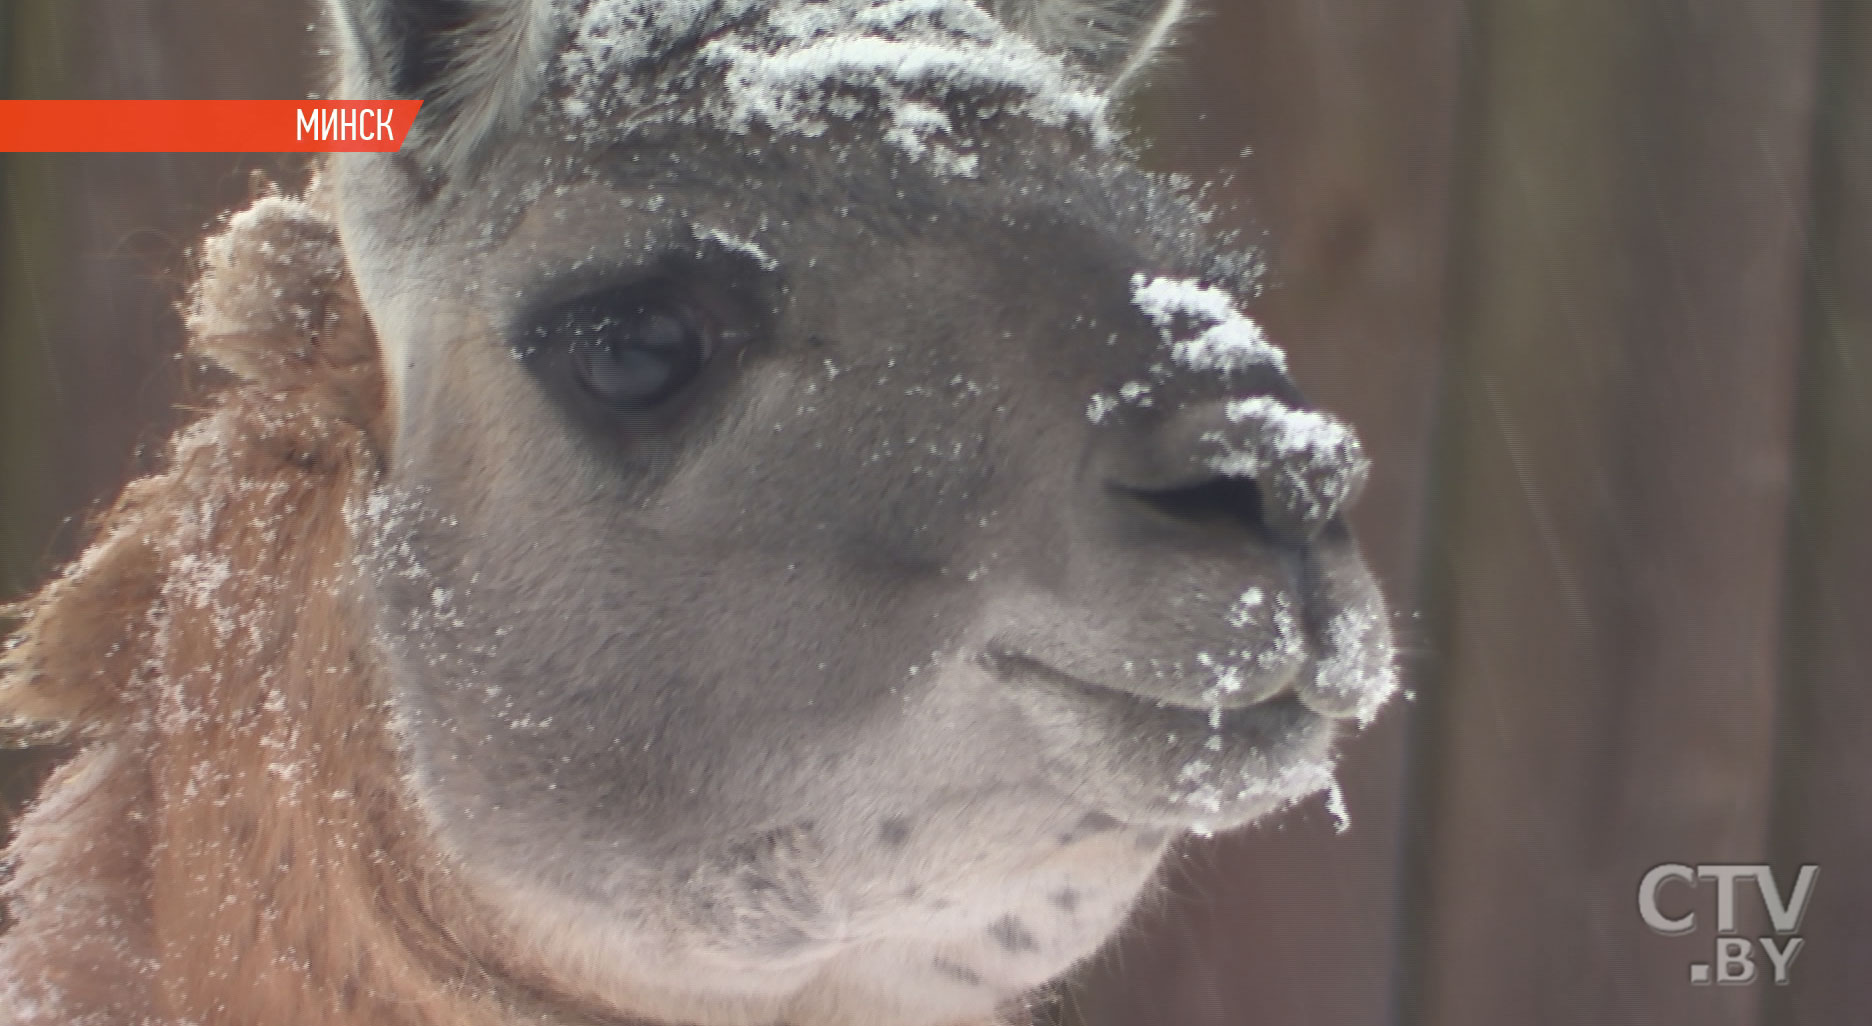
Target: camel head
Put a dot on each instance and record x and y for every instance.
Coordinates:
(840, 525)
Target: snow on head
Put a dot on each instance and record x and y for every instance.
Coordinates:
(1225, 340)
(613, 38)
(1205, 333)
(795, 68)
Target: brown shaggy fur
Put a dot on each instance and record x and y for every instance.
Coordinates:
(233, 844)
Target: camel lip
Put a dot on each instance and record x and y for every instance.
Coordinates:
(1153, 763)
(1011, 665)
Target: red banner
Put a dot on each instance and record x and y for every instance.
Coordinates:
(204, 126)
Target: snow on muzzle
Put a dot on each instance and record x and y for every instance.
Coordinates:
(1354, 666)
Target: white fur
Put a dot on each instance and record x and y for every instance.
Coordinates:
(1120, 37)
(496, 70)
(1152, 43)
(496, 74)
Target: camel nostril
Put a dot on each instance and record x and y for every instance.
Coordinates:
(1217, 500)
(1280, 468)
(1308, 464)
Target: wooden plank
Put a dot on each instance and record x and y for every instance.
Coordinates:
(1609, 542)
(109, 260)
(30, 246)
(1825, 789)
(30, 242)
(1348, 106)
(136, 217)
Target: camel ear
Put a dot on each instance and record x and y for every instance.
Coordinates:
(1114, 39)
(476, 64)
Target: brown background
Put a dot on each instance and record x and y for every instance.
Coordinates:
(1594, 278)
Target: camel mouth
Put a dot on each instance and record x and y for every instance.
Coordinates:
(1153, 762)
(1016, 666)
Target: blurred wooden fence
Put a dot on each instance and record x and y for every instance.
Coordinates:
(1594, 277)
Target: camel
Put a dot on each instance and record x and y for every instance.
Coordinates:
(761, 513)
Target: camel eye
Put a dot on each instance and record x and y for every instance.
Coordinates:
(632, 356)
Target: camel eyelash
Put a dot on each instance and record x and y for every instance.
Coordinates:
(728, 285)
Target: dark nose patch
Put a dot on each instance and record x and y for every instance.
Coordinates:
(1013, 935)
(894, 831)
